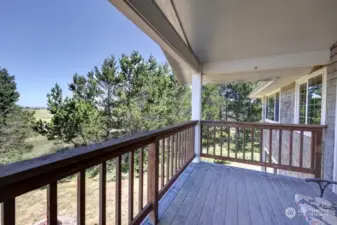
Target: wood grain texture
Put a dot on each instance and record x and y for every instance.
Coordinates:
(52, 203)
(141, 177)
(168, 162)
(131, 186)
(118, 192)
(62, 164)
(81, 198)
(8, 212)
(216, 194)
(102, 194)
(153, 169)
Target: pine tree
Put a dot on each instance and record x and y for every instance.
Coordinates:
(8, 94)
(14, 121)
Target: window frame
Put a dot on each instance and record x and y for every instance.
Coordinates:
(274, 94)
(305, 80)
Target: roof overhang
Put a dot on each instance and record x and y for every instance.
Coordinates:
(237, 40)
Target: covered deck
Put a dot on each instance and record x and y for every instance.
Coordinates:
(208, 193)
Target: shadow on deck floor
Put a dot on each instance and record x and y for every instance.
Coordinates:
(209, 193)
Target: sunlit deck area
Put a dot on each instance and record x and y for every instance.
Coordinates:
(209, 193)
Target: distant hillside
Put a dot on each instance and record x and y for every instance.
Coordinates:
(40, 113)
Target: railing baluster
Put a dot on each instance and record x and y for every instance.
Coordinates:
(318, 154)
(176, 152)
(8, 212)
(102, 193)
(214, 144)
(291, 148)
(180, 149)
(202, 127)
(190, 143)
(162, 168)
(183, 148)
(153, 165)
(168, 159)
(244, 143)
(228, 140)
(252, 153)
(301, 148)
(81, 198)
(221, 140)
(186, 145)
(141, 183)
(280, 147)
(237, 130)
(131, 181)
(312, 152)
(207, 146)
(52, 204)
(270, 145)
(193, 140)
(118, 192)
(261, 144)
(173, 155)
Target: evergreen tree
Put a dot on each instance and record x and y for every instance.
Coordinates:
(8, 94)
(14, 121)
(123, 97)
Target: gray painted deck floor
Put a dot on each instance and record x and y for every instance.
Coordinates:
(216, 194)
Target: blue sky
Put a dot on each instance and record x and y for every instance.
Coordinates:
(43, 42)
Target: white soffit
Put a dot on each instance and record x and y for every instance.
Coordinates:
(237, 40)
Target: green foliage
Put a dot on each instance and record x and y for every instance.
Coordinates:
(14, 121)
(121, 97)
(230, 102)
(8, 94)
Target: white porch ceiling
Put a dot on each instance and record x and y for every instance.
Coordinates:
(238, 40)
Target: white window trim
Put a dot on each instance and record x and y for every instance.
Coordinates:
(305, 79)
(279, 106)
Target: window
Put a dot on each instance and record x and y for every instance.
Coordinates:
(272, 107)
(303, 103)
(310, 101)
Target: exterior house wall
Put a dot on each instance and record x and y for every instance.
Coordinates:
(287, 104)
(329, 157)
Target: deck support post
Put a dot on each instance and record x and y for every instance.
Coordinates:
(196, 113)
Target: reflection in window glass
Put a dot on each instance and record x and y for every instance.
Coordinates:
(303, 103)
(271, 108)
(314, 100)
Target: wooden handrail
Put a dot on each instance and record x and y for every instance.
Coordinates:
(274, 126)
(22, 177)
(273, 131)
(22, 170)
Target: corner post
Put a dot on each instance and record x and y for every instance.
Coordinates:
(196, 113)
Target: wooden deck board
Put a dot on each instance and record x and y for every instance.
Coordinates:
(184, 209)
(217, 194)
(170, 213)
(207, 210)
(232, 200)
(219, 211)
(254, 205)
(196, 208)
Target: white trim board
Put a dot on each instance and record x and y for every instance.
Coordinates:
(305, 79)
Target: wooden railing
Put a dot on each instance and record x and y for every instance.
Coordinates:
(169, 151)
(287, 146)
